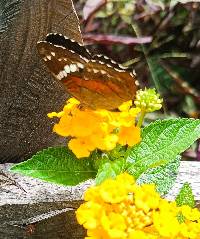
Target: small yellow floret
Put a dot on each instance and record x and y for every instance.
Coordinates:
(129, 135)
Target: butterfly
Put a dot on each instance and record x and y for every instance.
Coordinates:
(95, 80)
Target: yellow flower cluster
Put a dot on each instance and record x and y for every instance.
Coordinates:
(96, 129)
(120, 209)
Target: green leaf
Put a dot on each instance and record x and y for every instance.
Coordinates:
(185, 196)
(162, 176)
(110, 169)
(58, 165)
(161, 142)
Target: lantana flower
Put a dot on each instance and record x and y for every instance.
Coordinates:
(96, 129)
(120, 209)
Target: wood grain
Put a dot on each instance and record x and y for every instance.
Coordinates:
(27, 91)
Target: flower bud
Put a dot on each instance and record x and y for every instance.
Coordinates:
(148, 100)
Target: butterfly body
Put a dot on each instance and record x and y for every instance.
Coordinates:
(95, 81)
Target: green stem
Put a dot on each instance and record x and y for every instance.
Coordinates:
(141, 119)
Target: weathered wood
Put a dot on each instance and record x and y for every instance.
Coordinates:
(50, 208)
(59, 226)
(27, 90)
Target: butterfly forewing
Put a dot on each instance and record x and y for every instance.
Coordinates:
(69, 44)
(59, 60)
(95, 81)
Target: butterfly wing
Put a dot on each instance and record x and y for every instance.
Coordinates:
(94, 81)
(105, 86)
(63, 41)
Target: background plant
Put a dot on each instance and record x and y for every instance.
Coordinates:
(159, 39)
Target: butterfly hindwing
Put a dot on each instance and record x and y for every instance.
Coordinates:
(112, 86)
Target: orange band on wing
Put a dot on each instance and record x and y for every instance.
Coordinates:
(75, 83)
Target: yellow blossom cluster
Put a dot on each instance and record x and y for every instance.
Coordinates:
(96, 129)
(120, 209)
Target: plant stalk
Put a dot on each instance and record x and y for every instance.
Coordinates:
(141, 119)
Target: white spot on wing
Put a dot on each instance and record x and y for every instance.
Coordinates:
(83, 58)
(119, 70)
(114, 62)
(58, 46)
(73, 68)
(105, 57)
(53, 53)
(103, 72)
(121, 66)
(59, 77)
(95, 70)
(61, 74)
(49, 57)
(80, 65)
(64, 73)
(137, 83)
(67, 69)
(72, 40)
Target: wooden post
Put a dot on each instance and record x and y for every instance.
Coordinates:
(27, 90)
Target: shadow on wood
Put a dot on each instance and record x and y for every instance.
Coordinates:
(63, 225)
